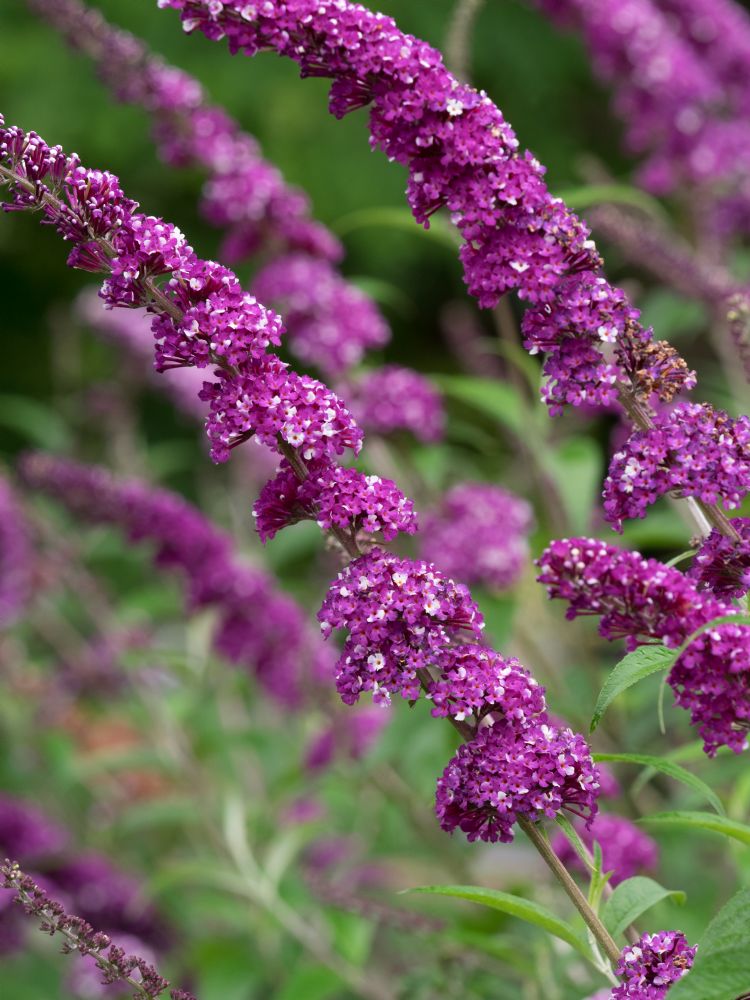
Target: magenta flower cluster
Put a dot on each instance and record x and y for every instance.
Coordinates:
(476, 681)
(506, 772)
(391, 398)
(641, 599)
(461, 154)
(652, 965)
(333, 496)
(399, 615)
(722, 564)
(479, 534)
(330, 322)
(258, 626)
(691, 451)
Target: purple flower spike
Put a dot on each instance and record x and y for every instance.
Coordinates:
(462, 155)
(399, 614)
(474, 681)
(651, 966)
(331, 323)
(640, 599)
(504, 773)
(692, 451)
(334, 497)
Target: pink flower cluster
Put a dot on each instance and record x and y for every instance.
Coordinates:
(461, 154)
(641, 599)
(505, 772)
(258, 626)
(332, 495)
(479, 534)
(652, 965)
(691, 451)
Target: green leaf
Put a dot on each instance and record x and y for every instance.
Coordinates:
(702, 821)
(575, 841)
(634, 667)
(313, 982)
(497, 400)
(36, 422)
(669, 768)
(576, 466)
(631, 898)
(722, 965)
(515, 906)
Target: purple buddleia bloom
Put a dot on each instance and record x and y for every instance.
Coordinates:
(462, 155)
(505, 772)
(393, 398)
(334, 497)
(16, 557)
(479, 534)
(691, 451)
(331, 323)
(254, 393)
(641, 599)
(399, 614)
(722, 564)
(131, 331)
(652, 965)
(258, 626)
(626, 849)
(270, 401)
(473, 680)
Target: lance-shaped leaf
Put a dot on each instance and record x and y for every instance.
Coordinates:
(722, 964)
(702, 821)
(514, 906)
(669, 768)
(631, 898)
(634, 667)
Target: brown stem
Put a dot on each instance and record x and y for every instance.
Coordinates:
(597, 928)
